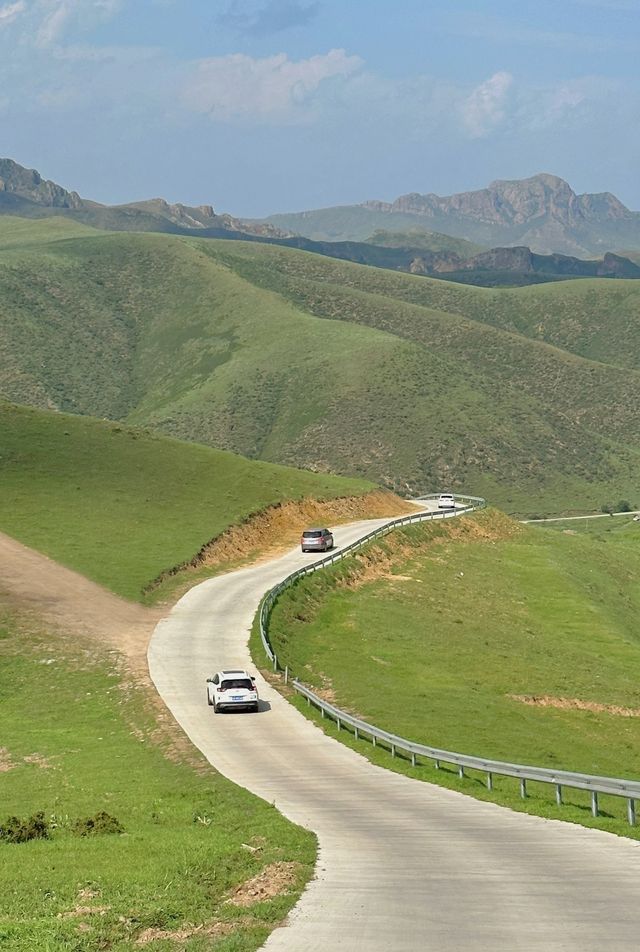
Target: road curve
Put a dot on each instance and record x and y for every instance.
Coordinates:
(404, 866)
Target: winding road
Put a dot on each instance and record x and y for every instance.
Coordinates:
(404, 866)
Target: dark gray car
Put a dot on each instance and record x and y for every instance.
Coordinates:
(316, 540)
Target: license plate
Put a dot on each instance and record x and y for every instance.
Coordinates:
(237, 697)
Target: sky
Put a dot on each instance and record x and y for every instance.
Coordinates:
(264, 106)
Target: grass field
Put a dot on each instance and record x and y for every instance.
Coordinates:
(76, 740)
(444, 633)
(529, 396)
(119, 504)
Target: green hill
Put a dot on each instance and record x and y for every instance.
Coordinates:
(530, 396)
(418, 238)
(119, 504)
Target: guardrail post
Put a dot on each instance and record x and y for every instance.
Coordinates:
(355, 733)
(286, 674)
(523, 788)
(436, 764)
(594, 803)
(489, 781)
(322, 712)
(631, 811)
(460, 771)
(338, 722)
(413, 759)
(393, 750)
(275, 663)
(373, 739)
(559, 794)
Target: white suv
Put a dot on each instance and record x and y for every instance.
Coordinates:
(232, 690)
(446, 501)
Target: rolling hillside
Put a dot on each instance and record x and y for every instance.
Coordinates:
(119, 504)
(524, 395)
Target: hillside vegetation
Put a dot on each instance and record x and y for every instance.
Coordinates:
(424, 241)
(530, 396)
(119, 504)
(484, 637)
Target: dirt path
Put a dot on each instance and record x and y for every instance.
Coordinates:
(71, 603)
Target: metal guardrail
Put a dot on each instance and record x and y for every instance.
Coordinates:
(630, 789)
(560, 778)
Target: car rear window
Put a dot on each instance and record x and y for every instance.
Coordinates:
(313, 533)
(237, 683)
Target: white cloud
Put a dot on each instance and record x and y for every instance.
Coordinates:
(485, 107)
(10, 11)
(58, 17)
(271, 89)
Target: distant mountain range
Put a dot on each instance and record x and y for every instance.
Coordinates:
(542, 213)
(505, 207)
(24, 192)
(497, 267)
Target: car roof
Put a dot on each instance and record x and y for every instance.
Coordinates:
(238, 672)
(316, 529)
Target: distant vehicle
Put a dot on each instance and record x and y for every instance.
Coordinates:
(232, 690)
(316, 540)
(446, 501)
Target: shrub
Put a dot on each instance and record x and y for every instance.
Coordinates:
(98, 824)
(624, 506)
(607, 507)
(16, 830)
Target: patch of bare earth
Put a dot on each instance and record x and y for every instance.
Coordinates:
(208, 930)
(574, 704)
(277, 879)
(38, 760)
(6, 761)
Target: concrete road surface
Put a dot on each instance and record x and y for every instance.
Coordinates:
(403, 866)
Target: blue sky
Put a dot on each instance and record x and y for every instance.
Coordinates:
(258, 106)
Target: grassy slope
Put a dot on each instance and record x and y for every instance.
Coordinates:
(425, 240)
(405, 380)
(505, 405)
(120, 505)
(96, 751)
(431, 643)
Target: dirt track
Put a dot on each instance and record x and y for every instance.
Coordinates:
(71, 603)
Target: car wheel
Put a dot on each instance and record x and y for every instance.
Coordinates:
(216, 709)
(209, 701)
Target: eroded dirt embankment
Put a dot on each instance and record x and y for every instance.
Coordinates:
(276, 529)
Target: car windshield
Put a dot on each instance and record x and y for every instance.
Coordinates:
(237, 683)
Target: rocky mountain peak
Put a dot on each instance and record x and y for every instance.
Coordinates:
(29, 184)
